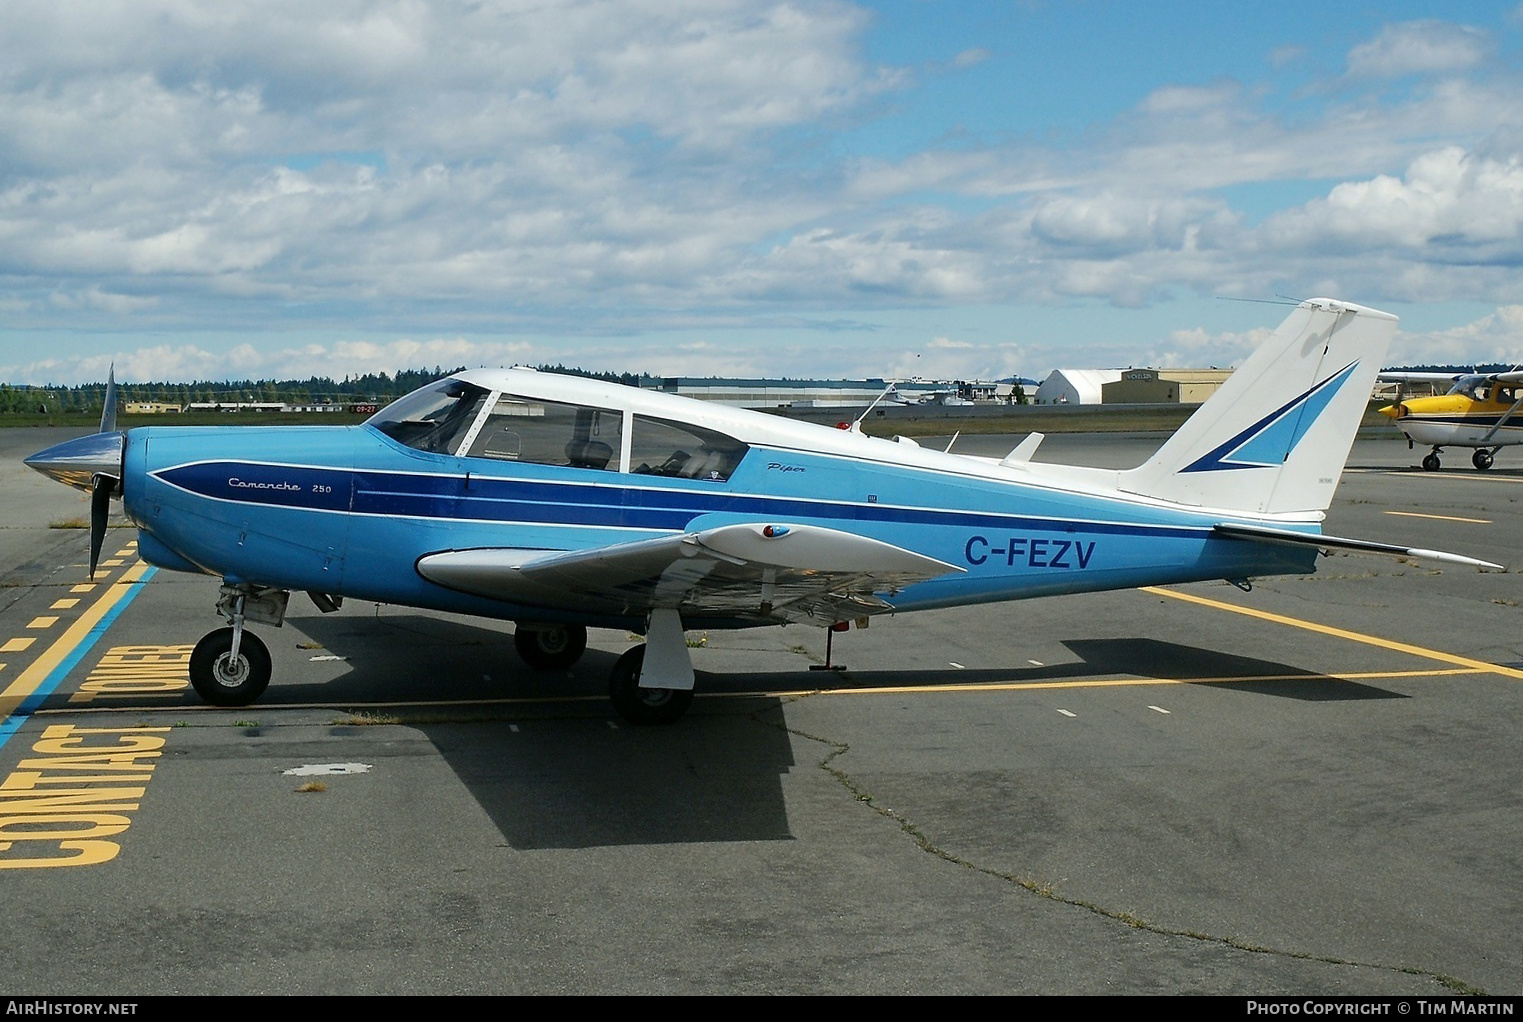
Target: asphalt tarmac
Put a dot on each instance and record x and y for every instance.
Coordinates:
(1314, 787)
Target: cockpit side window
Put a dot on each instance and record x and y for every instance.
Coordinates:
(659, 447)
(434, 418)
(1474, 387)
(549, 433)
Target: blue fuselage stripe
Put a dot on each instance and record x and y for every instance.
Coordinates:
(477, 498)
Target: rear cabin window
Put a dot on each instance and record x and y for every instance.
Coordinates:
(549, 433)
(662, 448)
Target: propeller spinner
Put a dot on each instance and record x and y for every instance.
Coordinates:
(92, 463)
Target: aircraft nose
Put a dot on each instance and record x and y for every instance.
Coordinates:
(77, 462)
(1394, 411)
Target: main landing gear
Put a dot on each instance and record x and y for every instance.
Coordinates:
(549, 647)
(644, 705)
(1482, 459)
(650, 684)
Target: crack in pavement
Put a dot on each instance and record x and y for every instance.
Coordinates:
(928, 845)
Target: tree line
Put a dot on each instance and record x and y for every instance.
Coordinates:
(368, 388)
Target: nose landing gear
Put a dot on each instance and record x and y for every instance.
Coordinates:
(231, 666)
(230, 669)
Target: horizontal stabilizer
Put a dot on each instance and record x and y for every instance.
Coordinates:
(1339, 543)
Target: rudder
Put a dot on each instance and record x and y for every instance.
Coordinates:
(1274, 438)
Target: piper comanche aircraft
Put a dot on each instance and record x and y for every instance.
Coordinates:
(1480, 410)
(560, 503)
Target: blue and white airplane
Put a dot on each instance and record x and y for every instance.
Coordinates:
(560, 503)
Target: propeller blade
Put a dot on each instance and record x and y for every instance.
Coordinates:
(100, 508)
(108, 413)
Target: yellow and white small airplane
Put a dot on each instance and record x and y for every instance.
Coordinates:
(1479, 411)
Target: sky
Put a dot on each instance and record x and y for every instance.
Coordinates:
(818, 188)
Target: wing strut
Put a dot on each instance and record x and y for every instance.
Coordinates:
(1502, 421)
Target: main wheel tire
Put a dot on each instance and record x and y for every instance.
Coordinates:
(1430, 463)
(1481, 459)
(550, 647)
(219, 679)
(644, 705)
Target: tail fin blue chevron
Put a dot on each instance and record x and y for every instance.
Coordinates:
(1273, 440)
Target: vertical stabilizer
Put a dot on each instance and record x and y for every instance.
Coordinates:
(1274, 438)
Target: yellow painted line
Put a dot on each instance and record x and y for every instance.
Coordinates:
(961, 687)
(1479, 666)
(83, 587)
(1017, 686)
(16, 645)
(37, 672)
(64, 604)
(43, 622)
(112, 563)
(1441, 518)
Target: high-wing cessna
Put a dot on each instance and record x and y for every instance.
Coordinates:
(561, 503)
(1479, 411)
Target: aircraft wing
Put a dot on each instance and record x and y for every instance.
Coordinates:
(1420, 377)
(766, 571)
(1339, 543)
(1513, 376)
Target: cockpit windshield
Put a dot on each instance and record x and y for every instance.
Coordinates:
(434, 418)
(1473, 387)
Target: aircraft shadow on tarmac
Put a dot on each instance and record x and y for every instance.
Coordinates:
(1098, 659)
(1211, 668)
(715, 776)
(561, 784)
(414, 657)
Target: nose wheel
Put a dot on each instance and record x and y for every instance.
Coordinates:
(224, 676)
(1430, 463)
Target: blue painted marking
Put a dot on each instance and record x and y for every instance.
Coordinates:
(13, 723)
(444, 498)
(1268, 442)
